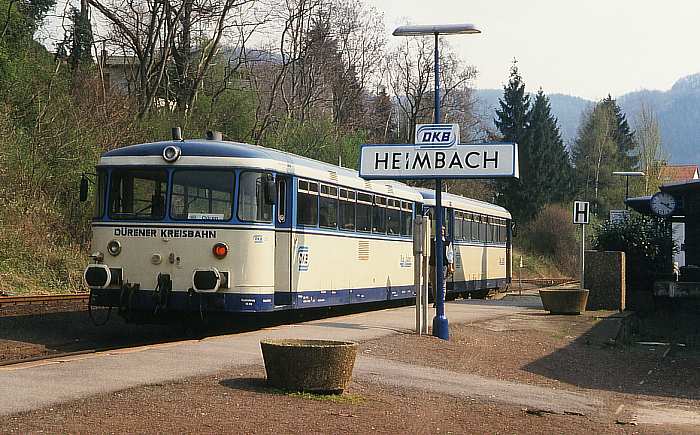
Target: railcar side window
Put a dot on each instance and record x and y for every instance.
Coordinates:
(252, 206)
(364, 212)
(202, 195)
(281, 199)
(482, 229)
(393, 216)
(467, 227)
(347, 210)
(307, 203)
(138, 194)
(458, 225)
(406, 218)
(100, 193)
(379, 215)
(475, 227)
(503, 232)
(328, 207)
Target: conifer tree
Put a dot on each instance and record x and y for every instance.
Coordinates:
(623, 136)
(512, 120)
(549, 165)
(513, 117)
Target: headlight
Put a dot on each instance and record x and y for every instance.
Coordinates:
(114, 248)
(171, 153)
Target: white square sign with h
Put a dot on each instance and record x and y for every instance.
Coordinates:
(581, 212)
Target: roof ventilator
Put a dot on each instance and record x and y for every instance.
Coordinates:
(214, 135)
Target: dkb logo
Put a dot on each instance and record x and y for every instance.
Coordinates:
(437, 135)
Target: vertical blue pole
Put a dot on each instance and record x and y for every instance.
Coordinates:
(437, 81)
(440, 324)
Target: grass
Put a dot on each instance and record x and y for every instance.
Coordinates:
(534, 266)
(348, 399)
(37, 262)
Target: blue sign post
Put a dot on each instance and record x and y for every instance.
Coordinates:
(440, 325)
(437, 154)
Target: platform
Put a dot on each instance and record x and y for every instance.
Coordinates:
(39, 384)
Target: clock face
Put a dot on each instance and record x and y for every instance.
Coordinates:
(663, 204)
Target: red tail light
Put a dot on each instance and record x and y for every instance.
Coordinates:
(220, 250)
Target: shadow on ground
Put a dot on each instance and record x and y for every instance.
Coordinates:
(45, 331)
(255, 385)
(667, 370)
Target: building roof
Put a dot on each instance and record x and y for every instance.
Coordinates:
(675, 173)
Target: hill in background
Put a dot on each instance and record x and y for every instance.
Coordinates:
(677, 109)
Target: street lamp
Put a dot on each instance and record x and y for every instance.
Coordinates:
(627, 175)
(440, 324)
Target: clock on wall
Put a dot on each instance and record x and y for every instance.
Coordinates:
(663, 204)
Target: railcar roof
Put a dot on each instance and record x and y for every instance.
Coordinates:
(225, 153)
(462, 203)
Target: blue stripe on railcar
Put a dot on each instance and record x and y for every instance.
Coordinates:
(143, 300)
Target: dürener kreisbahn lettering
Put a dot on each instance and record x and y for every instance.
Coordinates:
(165, 232)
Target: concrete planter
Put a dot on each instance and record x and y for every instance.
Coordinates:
(564, 300)
(309, 365)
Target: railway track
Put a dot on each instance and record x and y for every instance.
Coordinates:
(46, 299)
(42, 299)
(544, 282)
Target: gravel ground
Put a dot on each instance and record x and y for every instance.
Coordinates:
(559, 352)
(239, 402)
(38, 330)
(43, 329)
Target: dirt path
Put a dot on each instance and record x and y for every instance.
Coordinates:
(520, 373)
(438, 381)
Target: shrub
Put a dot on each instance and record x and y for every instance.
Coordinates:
(551, 234)
(641, 237)
(648, 246)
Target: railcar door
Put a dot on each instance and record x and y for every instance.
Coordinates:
(509, 251)
(283, 242)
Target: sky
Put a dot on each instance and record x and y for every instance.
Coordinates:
(587, 48)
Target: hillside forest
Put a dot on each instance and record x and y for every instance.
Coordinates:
(313, 77)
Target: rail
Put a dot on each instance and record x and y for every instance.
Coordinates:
(42, 299)
(544, 282)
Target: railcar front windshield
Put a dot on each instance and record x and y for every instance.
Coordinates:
(137, 194)
(202, 195)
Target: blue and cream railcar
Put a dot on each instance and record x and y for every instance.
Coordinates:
(223, 226)
(482, 240)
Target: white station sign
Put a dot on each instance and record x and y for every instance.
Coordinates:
(405, 161)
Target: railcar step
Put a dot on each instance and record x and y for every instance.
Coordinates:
(283, 307)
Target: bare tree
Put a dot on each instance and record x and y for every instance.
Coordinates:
(358, 33)
(287, 78)
(409, 71)
(160, 33)
(410, 74)
(648, 136)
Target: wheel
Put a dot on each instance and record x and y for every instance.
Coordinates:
(479, 294)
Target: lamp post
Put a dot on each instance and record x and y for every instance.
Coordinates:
(627, 175)
(440, 324)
